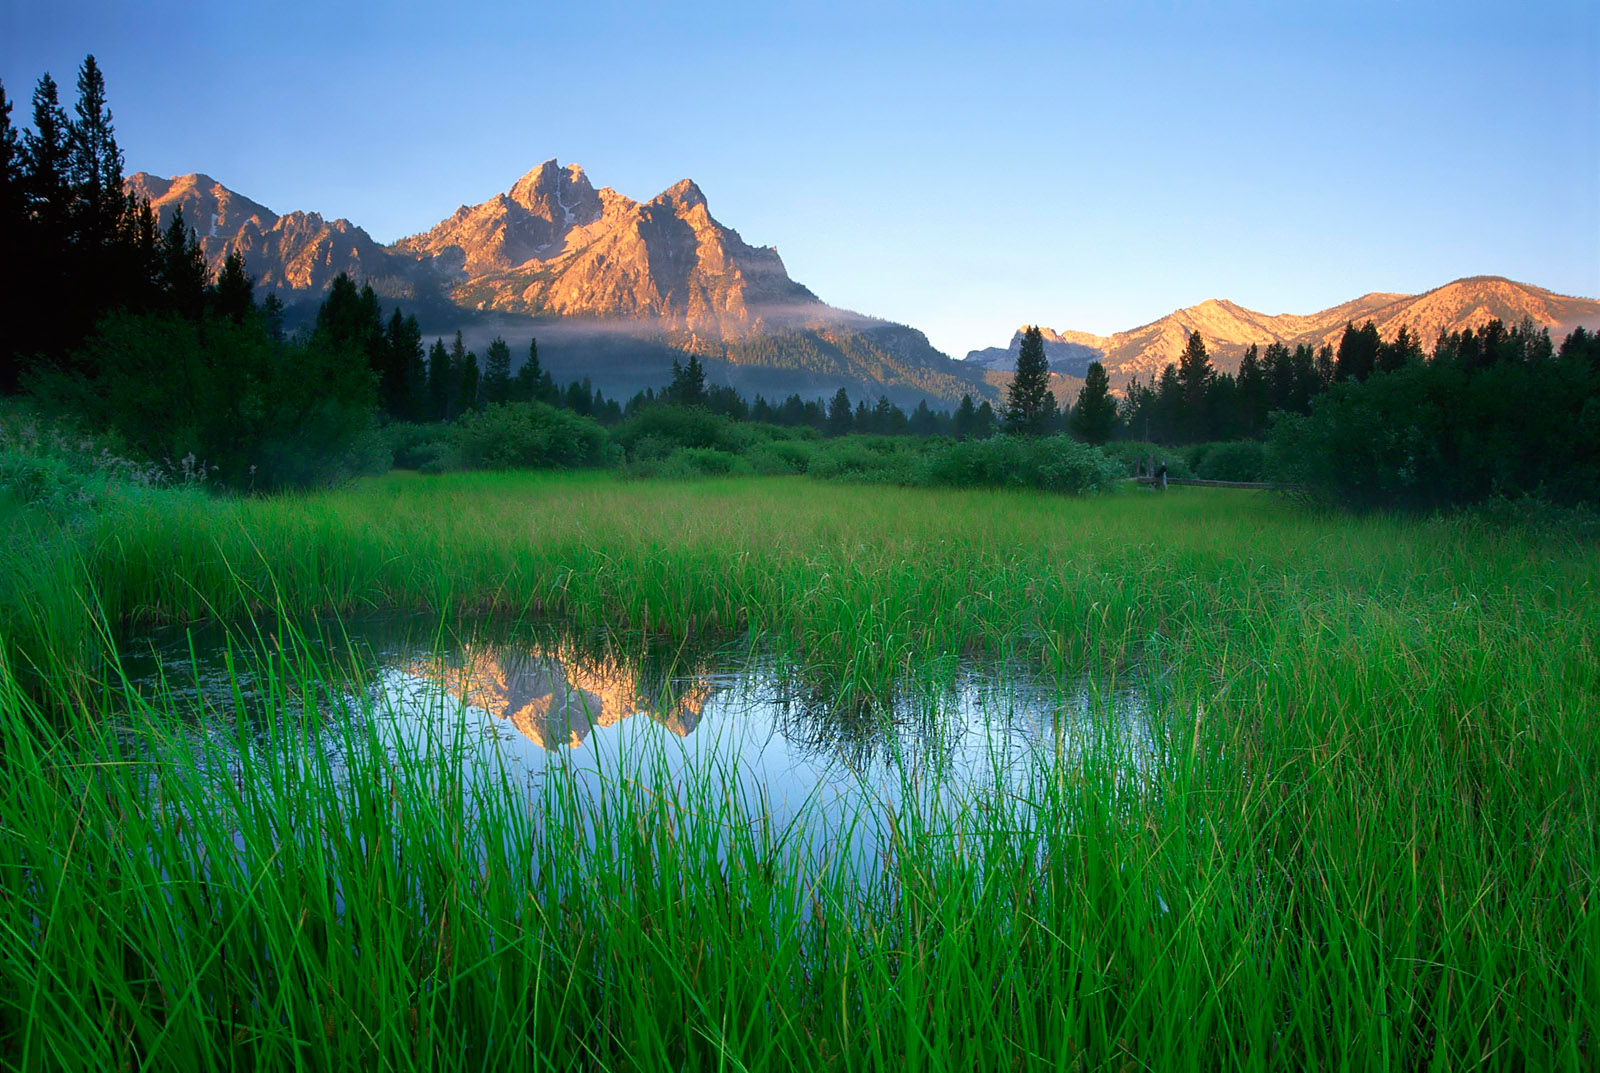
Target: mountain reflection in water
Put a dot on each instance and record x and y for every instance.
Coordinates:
(543, 698)
(555, 696)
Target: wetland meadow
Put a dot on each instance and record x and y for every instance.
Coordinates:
(553, 770)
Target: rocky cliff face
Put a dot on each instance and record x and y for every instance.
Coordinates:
(299, 251)
(556, 697)
(1230, 329)
(555, 245)
(597, 270)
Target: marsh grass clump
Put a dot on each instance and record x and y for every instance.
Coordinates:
(1364, 833)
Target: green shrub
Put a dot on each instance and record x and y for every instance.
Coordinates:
(438, 456)
(1133, 454)
(1046, 463)
(254, 412)
(412, 445)
(780, 457)
(873, 459)
(1241, 460)
(53, 466)
(529, 435)
(690, 463)
(659, 430)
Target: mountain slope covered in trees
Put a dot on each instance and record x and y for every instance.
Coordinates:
(1230, 329)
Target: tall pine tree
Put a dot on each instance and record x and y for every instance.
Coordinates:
(839, 415)
(1194, 383)
(1094, 418)
(13, 232)
(440, 383)
(1028, 401)
(497, 372)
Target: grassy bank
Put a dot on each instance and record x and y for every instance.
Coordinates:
(1370, 841)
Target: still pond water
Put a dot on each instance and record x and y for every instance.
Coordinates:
(541, 702)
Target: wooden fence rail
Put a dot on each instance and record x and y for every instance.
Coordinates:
(1205, 484)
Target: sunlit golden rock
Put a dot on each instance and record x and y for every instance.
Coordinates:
(1229, 329)
(554, 696)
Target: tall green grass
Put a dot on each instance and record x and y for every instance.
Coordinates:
(1369, 842)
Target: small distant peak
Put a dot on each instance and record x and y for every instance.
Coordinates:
(684, 194)
(154, 185)
(547, 181)
(542, 177)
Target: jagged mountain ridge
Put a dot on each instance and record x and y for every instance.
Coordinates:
(298, 251)
(1230, 329)
(555, 697)
(596, 272)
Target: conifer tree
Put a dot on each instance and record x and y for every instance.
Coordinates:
(11, 204)
(532, 383)
(471, 383)
(839, 417)
(966, 419)
(1399, 353)
(793, 411)
(440, 387)
(1194, 382)
(1094, 417)
(183, 272)
(94, 169)
(984, 427)
(464, 378)
(272, 316)
(1168, 408)
(1325, 366)
(13, 229)
(497, 372)
(1252, 393)
(409, 345)
(1358, 352)
(688, 387)
(233, 294)
(401, 377)
(45, 151)
(1027, 409)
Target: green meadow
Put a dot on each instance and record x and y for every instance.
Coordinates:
(1367, 837)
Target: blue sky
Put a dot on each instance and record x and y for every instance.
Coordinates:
(960, 168)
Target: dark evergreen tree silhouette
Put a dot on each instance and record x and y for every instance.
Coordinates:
(183, 273)
(233, 293)
(402, 376)
(986, 422)
(965, 422)
(1094, 416)
(94, 170)
(1194, 374)
(497, 372)
(1028, 400)
(839, 416)
(441, 384)
(13, 239)
(1399, 352)
(46, 153)
(688, 386)
(1252, 394)
(1357, 357)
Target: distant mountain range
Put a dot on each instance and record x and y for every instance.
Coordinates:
(617, 289)
(1229, 329)
(613, 288)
